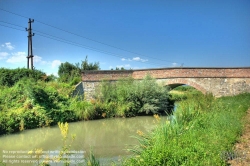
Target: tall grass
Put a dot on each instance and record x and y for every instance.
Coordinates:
(83, 110)
(199, 133)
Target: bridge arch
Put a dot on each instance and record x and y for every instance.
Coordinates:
(173, 83)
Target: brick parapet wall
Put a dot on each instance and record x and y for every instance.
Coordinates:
(167, 73)
(105, 75)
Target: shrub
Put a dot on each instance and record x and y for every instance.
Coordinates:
(8, 77)
(31, 104)
(132, 97)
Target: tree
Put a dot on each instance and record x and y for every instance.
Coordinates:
(66, 69)
(68, 72)
(89, 66)
(117, 68)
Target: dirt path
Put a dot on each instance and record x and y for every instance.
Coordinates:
(242, 148)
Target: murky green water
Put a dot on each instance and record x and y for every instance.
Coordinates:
(108, 138)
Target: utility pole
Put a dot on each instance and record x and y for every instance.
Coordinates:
(30, 52)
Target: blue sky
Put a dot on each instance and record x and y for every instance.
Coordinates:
(132, 34)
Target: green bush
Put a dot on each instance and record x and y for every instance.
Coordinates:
(8, 77)
(131, 97)
(31, 104)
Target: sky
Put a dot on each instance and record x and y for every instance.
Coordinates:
(134, 34)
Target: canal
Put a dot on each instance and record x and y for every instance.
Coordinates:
(108, 138)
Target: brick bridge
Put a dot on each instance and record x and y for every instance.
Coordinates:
(218, 81)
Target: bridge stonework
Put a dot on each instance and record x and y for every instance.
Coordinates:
(218, 81)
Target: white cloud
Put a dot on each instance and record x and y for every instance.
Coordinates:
(3, 55)
(124, 59)
(174, 64)
(38, 59)
(8, 46)
(135, 59)
(20, 57)
(55, 63)
(17, 57)
(139, 59)
(126, 66)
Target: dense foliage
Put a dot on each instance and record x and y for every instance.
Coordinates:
(8, 77)
(201, 132)
(129, 97)
(31, 104)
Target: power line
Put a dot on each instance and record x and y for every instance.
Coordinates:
(87, 47)
(13, 13)
(77, 44)
(12, 24)
(100, 42)
(39, 33)
(86, 37)
(12, 27)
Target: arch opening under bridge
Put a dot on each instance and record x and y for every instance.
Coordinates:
(180, 82)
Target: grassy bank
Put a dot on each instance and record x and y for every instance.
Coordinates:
(201, 132)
